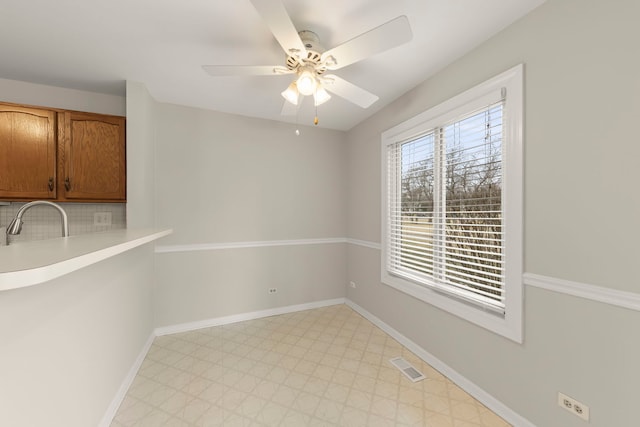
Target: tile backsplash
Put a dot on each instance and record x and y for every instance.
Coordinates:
(44, 222)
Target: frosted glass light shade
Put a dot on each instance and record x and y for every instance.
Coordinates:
(307, 83)
(321, 96)
(291, 93)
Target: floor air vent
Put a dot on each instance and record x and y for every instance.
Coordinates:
(407, 369)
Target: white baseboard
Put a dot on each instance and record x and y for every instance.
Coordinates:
(107, 419)
(471, 388)
(192, 326)
(478, 393)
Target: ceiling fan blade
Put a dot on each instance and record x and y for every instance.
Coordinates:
(348, 91)
(277, 19)
(386, 36)
(246, 70)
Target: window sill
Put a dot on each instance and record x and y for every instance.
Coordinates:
(509, 325)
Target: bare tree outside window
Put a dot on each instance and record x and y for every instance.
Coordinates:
(466, 232)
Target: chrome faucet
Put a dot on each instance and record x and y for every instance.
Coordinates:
(15, 226)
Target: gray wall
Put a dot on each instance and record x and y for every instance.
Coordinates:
(582, 104)
(140, 156)
(224, 179)
(19, 92)
(66, 345)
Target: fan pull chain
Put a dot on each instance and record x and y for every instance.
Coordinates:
(297, 116)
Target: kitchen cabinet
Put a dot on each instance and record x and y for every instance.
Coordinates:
(27, 153)
(91, 150)
(66, 156)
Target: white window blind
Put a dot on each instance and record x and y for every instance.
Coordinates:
(452, 207)
(445, 219)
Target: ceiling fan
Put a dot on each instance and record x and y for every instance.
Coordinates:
(308, 60)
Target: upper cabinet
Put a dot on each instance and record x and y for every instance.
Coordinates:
(27, 153)
(60, 155)
(91, 150)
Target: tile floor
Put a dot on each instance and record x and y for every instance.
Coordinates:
(321, 367)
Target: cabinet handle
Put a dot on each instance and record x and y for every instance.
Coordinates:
(67, 184)
(50, 184)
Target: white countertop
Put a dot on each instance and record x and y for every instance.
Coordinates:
(30, 263)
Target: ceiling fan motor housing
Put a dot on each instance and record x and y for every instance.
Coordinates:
(314, 52)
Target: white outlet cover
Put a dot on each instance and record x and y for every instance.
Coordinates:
(570, 404)
(102, 219)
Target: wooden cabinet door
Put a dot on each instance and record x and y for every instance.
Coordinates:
(93, 157)
(27, 153)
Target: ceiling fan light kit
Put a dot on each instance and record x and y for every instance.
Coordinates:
(320, 96)
(291, 93)
(306, 81)
(308, 60)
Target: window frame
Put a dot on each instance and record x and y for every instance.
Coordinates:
(510, 85)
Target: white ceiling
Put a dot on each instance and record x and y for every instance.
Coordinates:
(97, 45)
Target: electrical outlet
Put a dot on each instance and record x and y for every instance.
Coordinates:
(576, 408)
(273, 290)
(102, 219)
(352, 284)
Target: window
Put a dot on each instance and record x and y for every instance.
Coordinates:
(452, 205)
